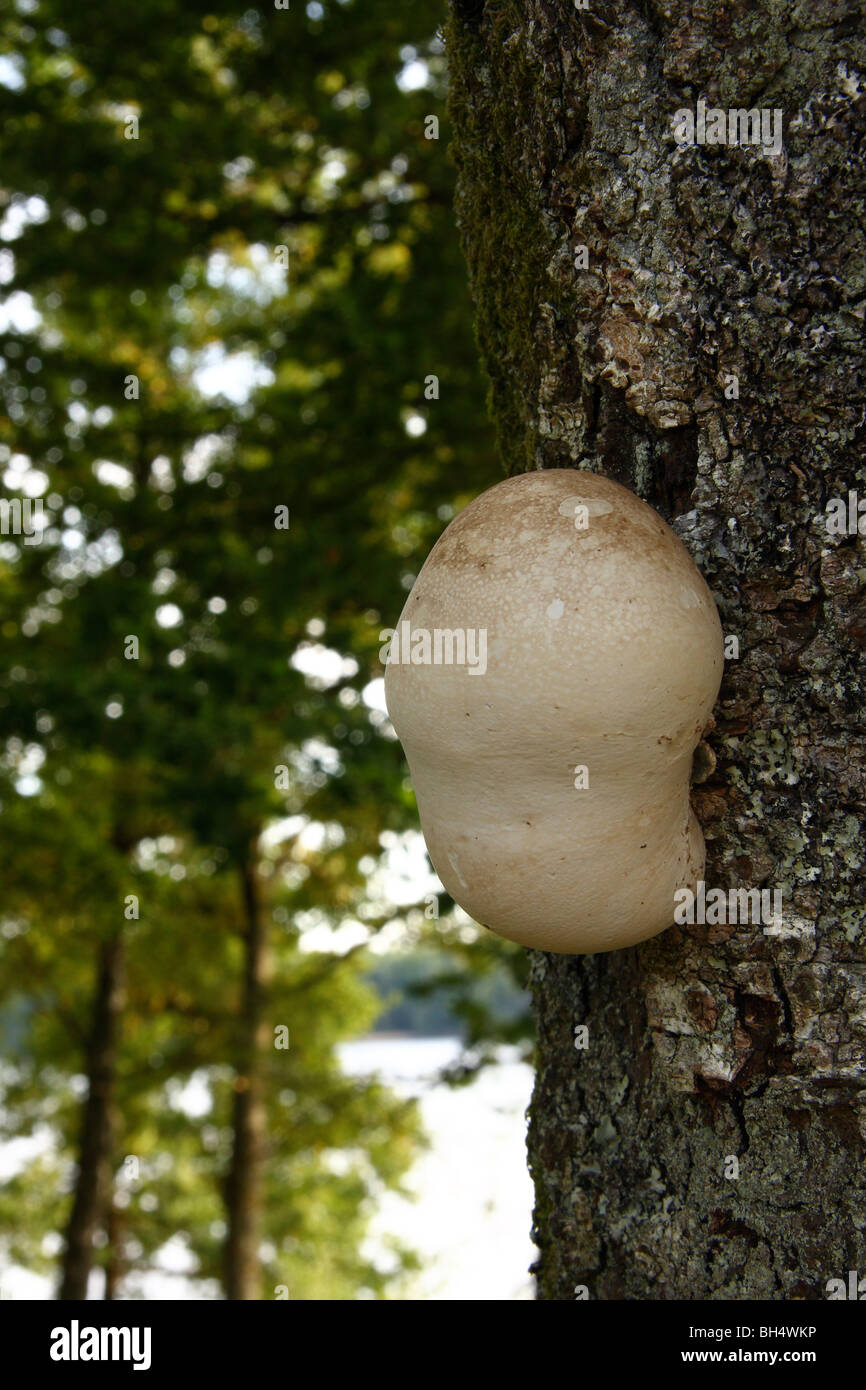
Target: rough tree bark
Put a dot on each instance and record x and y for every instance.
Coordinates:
(242, 1276)
(95, 1146)
(704, 264)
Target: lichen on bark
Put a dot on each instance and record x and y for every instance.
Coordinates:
(711, 357)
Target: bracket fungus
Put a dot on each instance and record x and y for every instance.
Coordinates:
(552, 777)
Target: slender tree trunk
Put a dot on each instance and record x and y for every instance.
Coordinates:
(95, 1145)
(115, 1262)
(691, 323)
(245, 1178)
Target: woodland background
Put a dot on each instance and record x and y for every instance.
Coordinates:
(272, 255)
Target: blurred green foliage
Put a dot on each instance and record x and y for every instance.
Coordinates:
(228, 266)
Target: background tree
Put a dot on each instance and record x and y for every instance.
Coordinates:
(251, 190)
(708, 352)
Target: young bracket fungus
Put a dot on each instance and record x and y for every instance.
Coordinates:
(553, 777)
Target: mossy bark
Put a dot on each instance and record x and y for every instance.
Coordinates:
(711, 357)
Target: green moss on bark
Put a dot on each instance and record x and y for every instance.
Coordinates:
(501, 221)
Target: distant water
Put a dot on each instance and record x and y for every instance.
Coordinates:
(398, 1058)
(471, 1218)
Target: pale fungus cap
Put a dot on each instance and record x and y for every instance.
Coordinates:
(551, 764)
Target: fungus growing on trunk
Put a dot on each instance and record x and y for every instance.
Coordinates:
(552, 777)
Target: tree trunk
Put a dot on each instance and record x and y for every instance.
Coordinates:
(115, 1266)
(710, 356)
(88, 1203)
(245, 1179)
